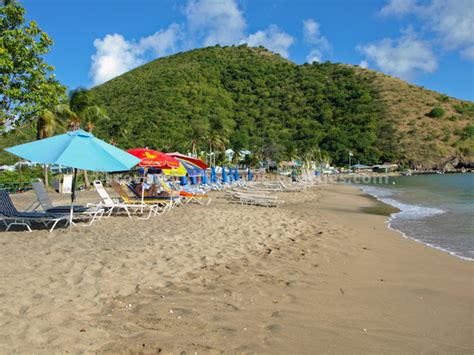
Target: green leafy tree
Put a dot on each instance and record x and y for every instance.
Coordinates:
(27, 84)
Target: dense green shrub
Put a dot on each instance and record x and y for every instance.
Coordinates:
(466, 108)
(467, 132)
(436, 112)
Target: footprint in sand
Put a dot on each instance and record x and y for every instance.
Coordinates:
(274, 328)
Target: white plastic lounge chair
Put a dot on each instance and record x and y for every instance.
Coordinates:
(112, 205)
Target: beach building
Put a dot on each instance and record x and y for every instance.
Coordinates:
(360, 168)
(384, 168)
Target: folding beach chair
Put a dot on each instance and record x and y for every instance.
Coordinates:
(44, 201)
(112, 205)
(153, 206)
(10, 216)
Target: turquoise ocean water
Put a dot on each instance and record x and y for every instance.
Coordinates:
(437, 210)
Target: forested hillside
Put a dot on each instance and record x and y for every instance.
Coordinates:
(249, 98)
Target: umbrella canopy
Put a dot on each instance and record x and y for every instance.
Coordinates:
(231, 177)
(76, 149)
(183, 180)
(191, 168)
(224, 176)
(150, 158)
(181, 171)
(195, 161)
(213, 175)
(185, 168)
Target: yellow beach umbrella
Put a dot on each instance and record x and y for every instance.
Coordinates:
(181, 171)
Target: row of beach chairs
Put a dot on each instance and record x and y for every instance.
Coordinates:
(44, 212)
(263, 193)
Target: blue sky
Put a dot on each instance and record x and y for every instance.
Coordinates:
(427, 42)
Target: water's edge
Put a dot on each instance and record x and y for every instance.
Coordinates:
(399, 206)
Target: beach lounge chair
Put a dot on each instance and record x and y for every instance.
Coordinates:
(157, 206)
(295, 187)
(111, 205)
(189, 195)
(10, 216)
(44, 201)
(169, 198)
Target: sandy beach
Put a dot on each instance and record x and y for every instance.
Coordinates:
(320, 274)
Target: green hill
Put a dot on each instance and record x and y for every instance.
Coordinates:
(250, 98)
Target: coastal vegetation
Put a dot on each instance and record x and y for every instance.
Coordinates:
(250, 98)
(215, 98)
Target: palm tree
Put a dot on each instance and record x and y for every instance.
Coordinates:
(74, 123)
(217, 135)
(83, 104)
(215, 141)
(46, 125)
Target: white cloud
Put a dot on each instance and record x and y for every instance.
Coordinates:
(207, 23)
(311, 30)
(451, 21)
(115, 55)
(399, 7)
(162, 42)
(273, 39)
(314, 56)
(221, 21)
(468, 53)
(364, 64)
(312, 35)
(403, 57)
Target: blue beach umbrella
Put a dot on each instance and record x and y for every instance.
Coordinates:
(224, 176)
(213, 175)
(204, 178)
(231, 177)
(183, 180)
(249, 175)
(236, 174)
(76, 149)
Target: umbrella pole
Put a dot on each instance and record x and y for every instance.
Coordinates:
(73, 197)
(143, 189)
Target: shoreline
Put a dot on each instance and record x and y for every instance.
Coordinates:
(319, 272)
(392, 211)
(391, 215)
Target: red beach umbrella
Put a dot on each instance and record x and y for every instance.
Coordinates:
(153, 159)
(195, 161)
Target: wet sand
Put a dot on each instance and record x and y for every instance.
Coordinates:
(321, 273)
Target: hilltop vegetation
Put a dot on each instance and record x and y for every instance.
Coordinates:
(431, 128)
(249, 98)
